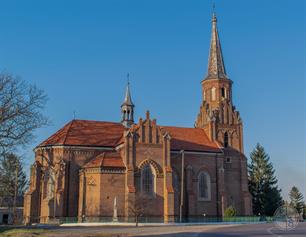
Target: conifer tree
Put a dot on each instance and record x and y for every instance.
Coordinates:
(10, 169)
(296, 199)
(263, 183)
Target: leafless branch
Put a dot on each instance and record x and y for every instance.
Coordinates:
(21, 108)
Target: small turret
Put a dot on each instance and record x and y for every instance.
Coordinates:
(127, 109)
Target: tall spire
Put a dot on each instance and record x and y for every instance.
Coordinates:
(127, 107)
(216, 68)
(127, 98)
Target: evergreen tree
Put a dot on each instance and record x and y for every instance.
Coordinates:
(263, 183)
(10, 169)
(296, 199)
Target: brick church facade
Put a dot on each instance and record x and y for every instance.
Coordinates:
(168, 171)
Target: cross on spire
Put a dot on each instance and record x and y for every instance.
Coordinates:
(128, 78)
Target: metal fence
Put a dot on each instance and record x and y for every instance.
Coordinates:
(174, 219)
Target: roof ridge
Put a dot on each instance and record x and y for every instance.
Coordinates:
(99, 121)
(68, 130)
(214, 141)
(119, 139)
(102, 160)
(165, 126)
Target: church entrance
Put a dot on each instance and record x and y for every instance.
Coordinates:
(5, 218)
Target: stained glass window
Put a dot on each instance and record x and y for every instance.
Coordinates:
(147, 178)
(204, 186)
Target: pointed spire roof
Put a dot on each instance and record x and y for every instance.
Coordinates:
(128, 98)
(216, 68)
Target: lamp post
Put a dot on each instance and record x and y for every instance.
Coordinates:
(15, 193)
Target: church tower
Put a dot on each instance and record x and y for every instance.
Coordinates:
(218, 116)
(127, 109)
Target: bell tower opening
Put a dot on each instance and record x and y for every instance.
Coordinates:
(225, 141)
(223, 93)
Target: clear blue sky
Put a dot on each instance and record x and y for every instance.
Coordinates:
(79, 52)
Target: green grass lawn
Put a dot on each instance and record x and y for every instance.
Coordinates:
(24, 232)
(33, 232)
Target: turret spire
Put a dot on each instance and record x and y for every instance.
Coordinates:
(127, 107)
(127, 98)
(216, 68)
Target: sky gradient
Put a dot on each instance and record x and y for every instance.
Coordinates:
(79, 52)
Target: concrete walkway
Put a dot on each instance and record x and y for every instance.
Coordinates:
(125, 224)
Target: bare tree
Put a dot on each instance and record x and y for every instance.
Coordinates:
(138, 207)
(21, 106)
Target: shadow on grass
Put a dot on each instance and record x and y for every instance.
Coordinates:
(192, 234)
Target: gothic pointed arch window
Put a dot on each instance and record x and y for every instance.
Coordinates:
(176, 187)
(51, 185)
(223, 92)
(148, 180)
(45, 184)
(225, 142)
(204, 186)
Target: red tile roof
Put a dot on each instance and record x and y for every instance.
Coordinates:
(190, 139)
(109, 159)
(87, 133)
(110, 134)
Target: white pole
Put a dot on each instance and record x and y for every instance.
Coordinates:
(182, 186)
(115, 215)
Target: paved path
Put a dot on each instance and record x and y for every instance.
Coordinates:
(253, 230)
(258, 230)
(128, 231)
(242, 230)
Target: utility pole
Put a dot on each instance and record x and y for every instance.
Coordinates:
(54, 195)
(15, 192)
(182, 186)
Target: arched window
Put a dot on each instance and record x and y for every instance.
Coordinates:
(148, 181)
(225, 143)
(204, 188)
(176, 186)
(124, 115)
(51, 185)
(223, 92)
(45, 184)
(213, 93)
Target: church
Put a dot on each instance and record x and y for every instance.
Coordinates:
(87, 169)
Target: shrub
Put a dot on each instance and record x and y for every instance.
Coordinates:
(230, 212)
